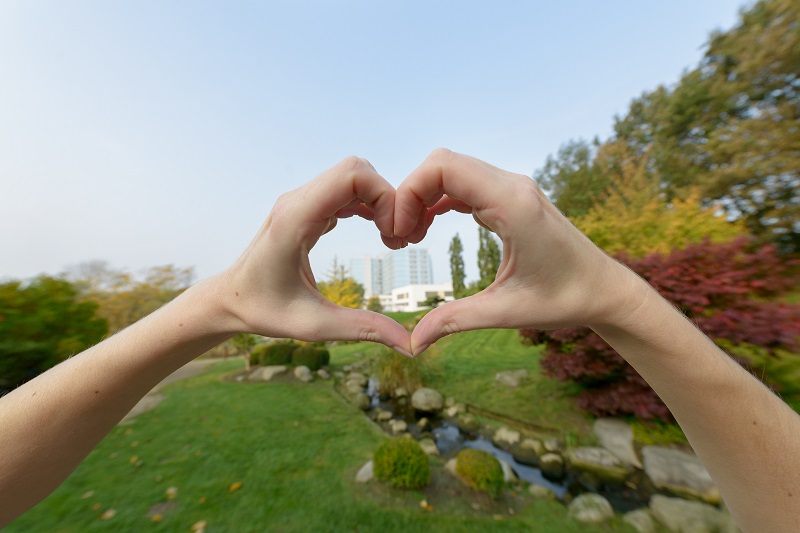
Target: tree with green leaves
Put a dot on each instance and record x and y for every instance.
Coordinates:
(570, 177)
(244, 344)
(489, 258)
(374, 304)
(457, 266)
(43, 322)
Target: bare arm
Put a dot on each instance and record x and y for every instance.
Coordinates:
(52, 422)
(552, 276)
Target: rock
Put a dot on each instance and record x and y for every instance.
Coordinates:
(512, 378)
(398, 426)
(683, 516)
(590, 508)
(303, 373)
(360, 400)
(400, 392)
(429, 446)
(382, 415)
(339, 374)
(598, 461)
(505, 437)
(450, 466)
(323, 374)
(541, 492)
(450, 401)
(467, 423)
(617, 437)
(348, 368)
(365, 473)
(427, 400)
(353, 387)
(508, 472)
(553, 445)
(268, 372)
(680, 473)
(640, 520)
(423, 422)
(528, 452)
(552, 466)
(454, 410)
(358, 378)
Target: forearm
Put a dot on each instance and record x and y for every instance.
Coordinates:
(50, 424)
(735, 425)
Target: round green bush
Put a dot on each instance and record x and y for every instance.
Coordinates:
(274, 354)
(480, 470)
(310, 356)
(402, 463)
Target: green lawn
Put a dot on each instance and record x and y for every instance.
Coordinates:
(294, 447)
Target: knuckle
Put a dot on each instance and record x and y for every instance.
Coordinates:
(353, 164)
(441, 155)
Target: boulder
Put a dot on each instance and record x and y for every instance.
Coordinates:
(617, 437)
(382, 415)
(467, 423)
(450, 466)
(323, 374)
(684, 516)
(552, 466)
(423, 422)
(512, 378)
(528, 452)
(398, 426)
(400, 392)
(339, 374)
(355, 377)
(508, 473)
(427, 400)
(360, 400)
(541, 492)
(505, 437)
(553, 445)
(268, 372)
(303, 373)
(429, 446)
(680, 473)
(599, 462)
(590, 508)
(365, 473)
(640, 520)
(454, 410)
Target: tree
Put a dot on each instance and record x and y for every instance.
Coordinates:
(374, 304)
(42, 322)
(340, 288)
(488, 258)
(433, 301)
(457, 266)
(634, 217)
(244, 344)
(571, 177)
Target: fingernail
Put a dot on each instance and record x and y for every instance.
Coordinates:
(402, 352)
(421, 349)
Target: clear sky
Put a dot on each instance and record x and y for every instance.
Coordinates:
(145, 133)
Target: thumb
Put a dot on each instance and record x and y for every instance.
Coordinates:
(483, 310)
(341, 323)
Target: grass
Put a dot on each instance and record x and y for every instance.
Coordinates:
(295, 449)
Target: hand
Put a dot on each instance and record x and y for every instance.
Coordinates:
(271, 290)
(551, 275)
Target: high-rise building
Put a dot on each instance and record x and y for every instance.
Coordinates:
(381, 274)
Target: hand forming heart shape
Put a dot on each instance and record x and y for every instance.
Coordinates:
(551, 274)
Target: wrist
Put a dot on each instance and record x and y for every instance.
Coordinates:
(624, 296)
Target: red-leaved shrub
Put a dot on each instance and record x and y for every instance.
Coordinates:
(728, 290)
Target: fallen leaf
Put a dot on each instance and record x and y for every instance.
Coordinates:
(202, 500)
(134, 444)
(426, 506)
(88, 494)
(133, 459)
(157, 518)
(235, 486)
(96, 507)
(109, 514)
(129, 431)
(199, 527)
(172, 492)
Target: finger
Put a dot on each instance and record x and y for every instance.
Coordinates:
(337, 188)
(341, 323)
(487, 309)
(360, 210)
(458, 176)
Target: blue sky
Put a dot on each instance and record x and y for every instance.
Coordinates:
(147, 133)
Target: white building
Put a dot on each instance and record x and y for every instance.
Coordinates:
(412, 297)
(382, 274)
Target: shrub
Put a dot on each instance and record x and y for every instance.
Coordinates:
(480, 470)
(312, 357)
(395, 371)
(726, 289)
(279, 353)
(402, 463)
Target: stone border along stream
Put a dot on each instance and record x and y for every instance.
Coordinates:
(669, 485)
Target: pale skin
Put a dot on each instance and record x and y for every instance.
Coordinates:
(551, 276)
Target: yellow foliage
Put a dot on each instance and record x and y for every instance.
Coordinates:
(633, 217)
(346, 292)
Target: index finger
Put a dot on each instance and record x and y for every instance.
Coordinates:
(337, 188)
(460, 177)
